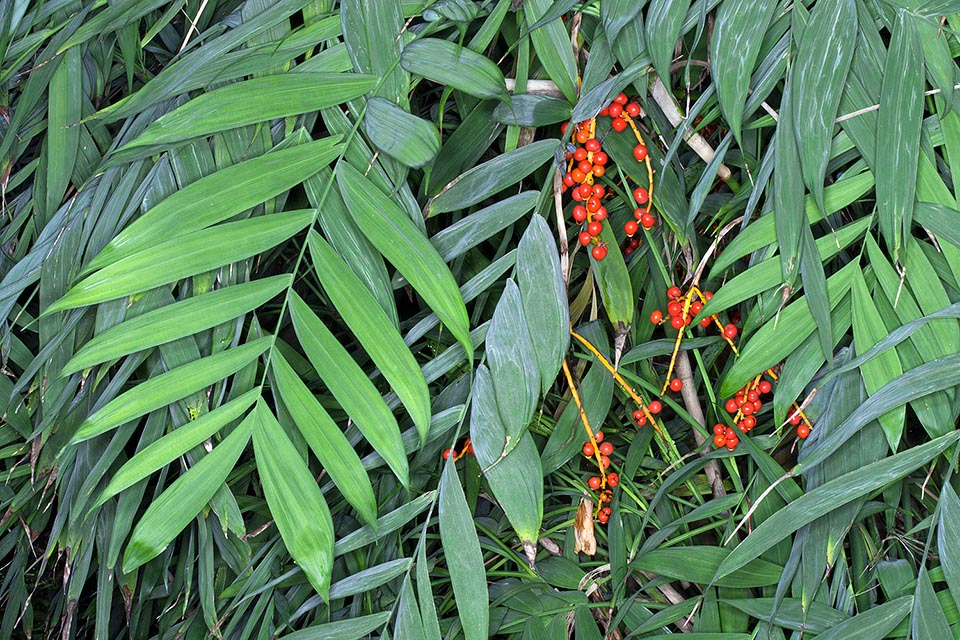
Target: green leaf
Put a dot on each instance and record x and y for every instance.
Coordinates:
(513, 364)
(868, 330)
(294, 499)
(175, 444)
(182, 257)
(326, 440)
(487, 431)
(63, 130)
(738, 33)
(180, 503)
(374, 330)
(372, 33)
(409, 623)
(948, 533)
(252, 101)
(219, 196)
(543, 294)
(815, 290)
(353, 628)
(614, 283)
(928, 620)
(169, 387)
(527, 110)
(664, 20)
(872, 623)
(818, 74)
(898, 126)
(552, 44)
(487, 179)
(829, 496)
(461, 548)
(461, 236)
(699, 564)
(516, 481)
(788, 205)
(780, 335)
(457, 67)
(399, 240)
(411, 140)
(351, 387)
(184, 318)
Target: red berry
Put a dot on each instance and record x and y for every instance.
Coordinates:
(640, 153)
(447, 453)
(631, 227)
(621, 98)
(568, 180)
(803, 431)
(594, 483)
(600, 214)
(656, 317)
(600, 158)
(729, 331)
(641, 195)
(578, 176)
(753, 396)
(674, 292)
(764, 387)
(706, 322)
(707, 295)
(598, 170)
(586, 166)
(604, 461)
(674, 308)
(584, 238)
(598, 436)
(695, 307)
(795, 420)
(732, 406)
(603, 517)
(612, 480)
(579, 213)
(594, 228)
(732, 443)
(642, 420)
(606, 449)
(647, 221)
(604, 112)
(563, 127)
(637, 415)
(615, 110)
(618, 124)
(588, 450)
(719, 429)
(719, 440)
(598, 191)
(677, 322)
(592, 145)
(585, 191)
(655, 407)
(599, 252)
(750, 421)
(633, 109)
(747, 408)
(676, 384)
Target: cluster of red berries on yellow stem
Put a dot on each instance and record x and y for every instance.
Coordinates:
(587, 161)
(745, 405)
(684, 307)
(598, 450)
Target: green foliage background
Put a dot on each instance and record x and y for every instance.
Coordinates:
(263, 261)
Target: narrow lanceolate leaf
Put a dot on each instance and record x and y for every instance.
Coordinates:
(738, 33)
(789, 214)
(466, 233)
(219, 196)
(326, 440)
(937, 375)
(929, 619)
(252, 101)
(614, 283)
(354, 628)
(175, 444)
(552, 44)
(63, 132)
(180, 503)
(543, 294)
(487, 431)
(664, 20)
(513, 364)
(409, 623)
(374, 330)
(461, 548)
(948, 533)
(818, 76)
(871, 624)
(455, 66)
(829, 496)
(399, 240)
(868, 330)
(487, 179)
(372, 33)
(295, 501)
(350, 386)
(400, 134)
(898, 130)
(184, 318)
(815, 290)
(182, 257)
(169, 387)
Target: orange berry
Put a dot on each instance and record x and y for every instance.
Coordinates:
(618, 124)
(655, 407)
(640, 153)
(588, 450)
(604, 461)
(606, 449)
(803, 431)
(613, 479)
(719, 429)
(676, 384)
(600, 158)
(592, 145)
(598, 436)
(641, 195)
(648, 221)
(594, 482)
(656, 317)
(677, 322)
(719, 440)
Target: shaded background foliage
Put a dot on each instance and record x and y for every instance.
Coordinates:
(262, 262)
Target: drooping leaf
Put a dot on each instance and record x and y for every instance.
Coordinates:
(552, 44)
(296, 504)
(458, 67)
(399, 240)
(180, 503)
(400, 134)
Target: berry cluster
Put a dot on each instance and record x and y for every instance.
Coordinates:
(746, 404)
(599, 451)
(684, 307)
(467, 448)
(587, 161)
